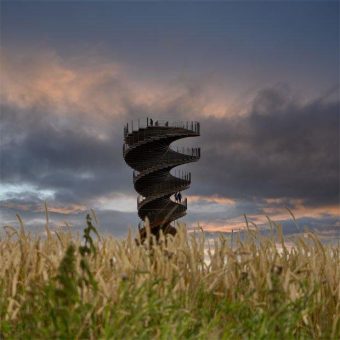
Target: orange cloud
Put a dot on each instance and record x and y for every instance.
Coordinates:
(274, 213)
(211, 199)
(276, 208)
(225, 226)
(53, 208)
(31, 79)
(99, 88)
(67, 209)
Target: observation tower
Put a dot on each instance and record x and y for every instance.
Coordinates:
(147, 150)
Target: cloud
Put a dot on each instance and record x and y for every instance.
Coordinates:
(58, 158)
(282, 148)
(62, 121)
(61, 130)
(212, 199)
(44, 79)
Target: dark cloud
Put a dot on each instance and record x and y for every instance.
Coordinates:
(280, 149)
(70, 160)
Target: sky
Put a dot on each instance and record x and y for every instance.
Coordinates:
(262, 78)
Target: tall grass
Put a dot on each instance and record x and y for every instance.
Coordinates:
(64, 286)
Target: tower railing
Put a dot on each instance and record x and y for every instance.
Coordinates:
(161, 189)
(178, 174)
(159, 213)
(167, 161)
(184, 151)
(183, 203)
(134, 126)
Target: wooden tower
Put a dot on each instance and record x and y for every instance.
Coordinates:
(147, 150)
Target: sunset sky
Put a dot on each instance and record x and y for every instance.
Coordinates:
(262, 78)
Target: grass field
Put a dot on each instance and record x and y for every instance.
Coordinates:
(93, 287)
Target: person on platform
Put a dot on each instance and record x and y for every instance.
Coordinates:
(179, 196)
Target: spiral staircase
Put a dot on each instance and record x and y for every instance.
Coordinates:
(147, 150)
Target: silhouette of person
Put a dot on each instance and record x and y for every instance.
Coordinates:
(151, 122)
(176, 196)
(156, 124)
(179, 195)
(167, 124)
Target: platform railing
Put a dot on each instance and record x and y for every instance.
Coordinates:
(138, 124)
(143, 136)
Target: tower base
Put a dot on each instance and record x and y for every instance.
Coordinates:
(156, 231)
